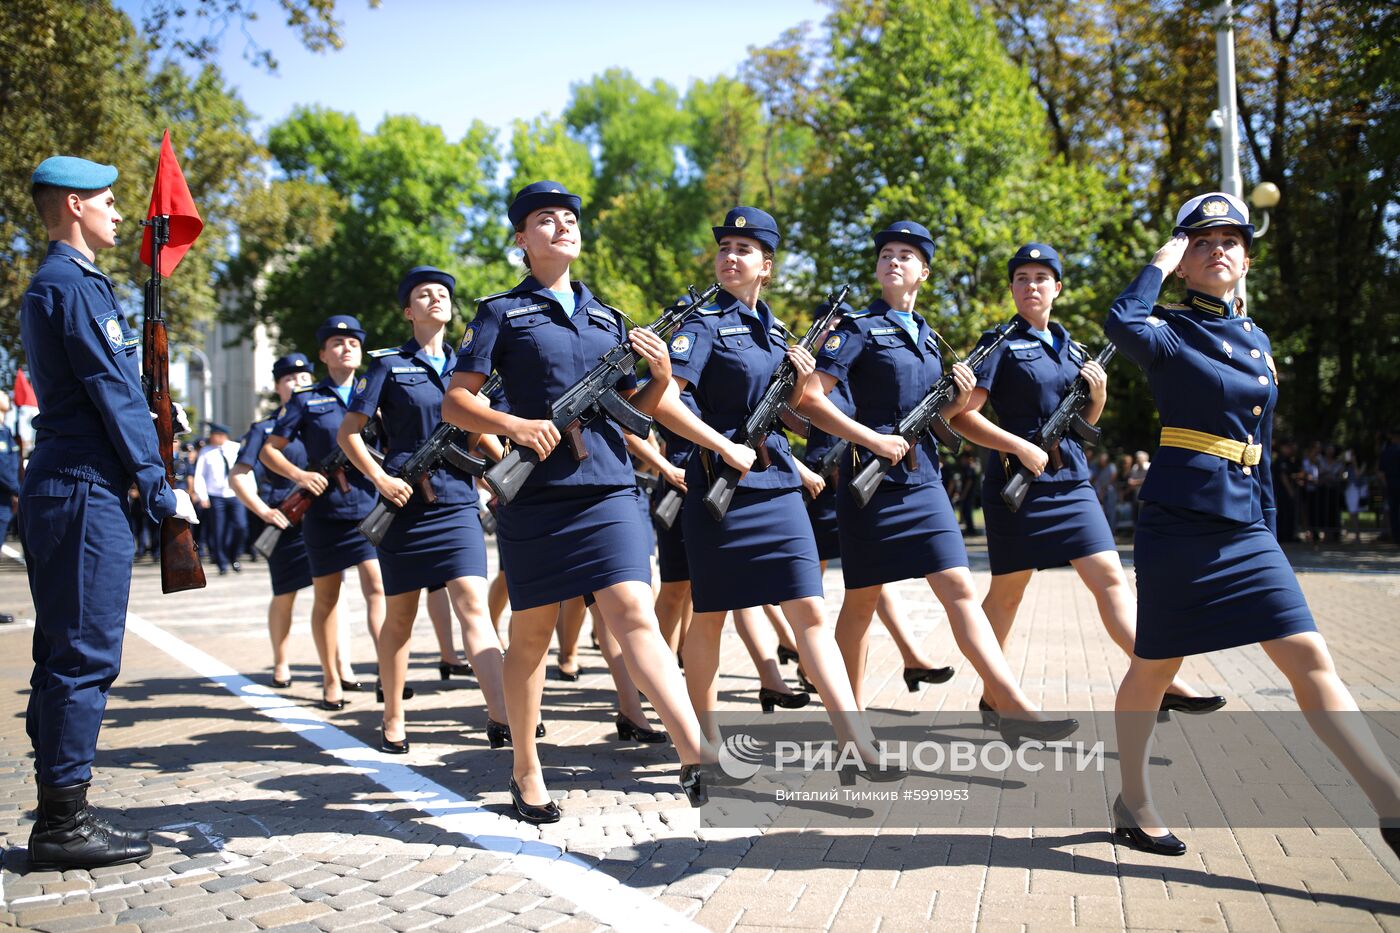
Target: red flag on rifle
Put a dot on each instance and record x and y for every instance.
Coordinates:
(24, 392)
(171, 195)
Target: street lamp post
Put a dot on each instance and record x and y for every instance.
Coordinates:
(1230, 180)
(206, 378)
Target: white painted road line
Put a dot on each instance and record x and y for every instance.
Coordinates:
(593, 891)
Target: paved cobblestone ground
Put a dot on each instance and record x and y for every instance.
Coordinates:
(265, 819)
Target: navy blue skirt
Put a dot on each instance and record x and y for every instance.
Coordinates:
(558, 542)
(670, 551)
(288, 567)
(821, 512)
(428, 545)
(334, 544)
(761, 553)
(905, 532)
(1057, 523)
(1205, 583)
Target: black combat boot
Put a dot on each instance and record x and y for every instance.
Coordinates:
(68, 835)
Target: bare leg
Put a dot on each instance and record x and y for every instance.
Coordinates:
(890, 612)
(781, 627)
(1003, 600)
(497, 599)
(762, 645)
(440, 614)
(568, 626)
(279, 630)
(392, 646)
(325, 595)
(978, 643)
(1139, 696)
(1334, 716)
(629, 700)
(627, 613)
(1103, 574)
(701, 651)
(671, 602)
(816, 644)
(372, 586)
(531, 631)
(468, 597)
(853, 636)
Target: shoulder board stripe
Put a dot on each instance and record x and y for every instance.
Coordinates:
(1173, 307)
(300, 389)
(709, 309)
(387, 351)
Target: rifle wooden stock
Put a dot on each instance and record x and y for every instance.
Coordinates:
(180, 568)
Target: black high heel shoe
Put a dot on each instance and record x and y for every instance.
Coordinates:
(354, 686)
(771, 698)
(913, 676)
(990, 717)
(446, 670)
(1176, 703)
(629, 731)
(529, 812)
(391, 747)
(875, 772)
(570, 676)
(786, 655)
(1015, 731)
(284, 684)
(498, 733)
(331, 706)
(802, 680)
(379, 691)
(1124, 827)
(694, 781)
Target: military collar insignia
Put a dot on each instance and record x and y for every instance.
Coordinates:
(387, 351)
(82, 263)
(1207, 304)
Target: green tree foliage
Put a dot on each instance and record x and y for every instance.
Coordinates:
(352, 211)
(196, 28)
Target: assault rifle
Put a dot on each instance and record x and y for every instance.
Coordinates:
(761, 421)
(445, 445)
(293, 507)
(594, 394)
(825, 466)
(1068, 418)
(925, 417)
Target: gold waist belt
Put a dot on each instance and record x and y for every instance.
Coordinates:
(1234, 451)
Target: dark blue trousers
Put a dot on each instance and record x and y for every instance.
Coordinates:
(228, 526)
(79, 549)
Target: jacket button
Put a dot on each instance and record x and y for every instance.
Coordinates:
(1248, 326)
(1258, 409)
(1247, 471)
(1263, 380)
(1254, 353)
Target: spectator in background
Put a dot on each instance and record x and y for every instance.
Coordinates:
(1390, 469)
(9, 470)
(1137, 474)
(1285, 468)
(228, 525)
(1356, 494)
(1104, 478)
(969, 485)
(1311, 482)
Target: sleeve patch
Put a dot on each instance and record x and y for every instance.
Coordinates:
(681, 345)
(833, 343)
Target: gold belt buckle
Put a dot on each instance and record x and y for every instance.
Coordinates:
(1253, 453)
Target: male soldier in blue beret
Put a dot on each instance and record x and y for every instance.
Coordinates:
(94, 439)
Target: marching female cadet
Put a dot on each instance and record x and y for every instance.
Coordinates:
(888, 357)
(1060, 521)
(333, 542)
(762, 550)
(572, 529)
(429, 543)
(1210, 572)
(259, 489)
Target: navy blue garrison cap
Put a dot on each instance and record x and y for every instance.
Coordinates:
(217, 428)
(540, 194)
(752, 223)
(1216, 209)
(420, 274)
(291, 363)
(907, 231)
(340, 325)
(1035, 253)
(73, 172)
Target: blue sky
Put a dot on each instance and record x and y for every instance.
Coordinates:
(451, 62)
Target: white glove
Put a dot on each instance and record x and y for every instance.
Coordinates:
(184, 507)
(182, 420)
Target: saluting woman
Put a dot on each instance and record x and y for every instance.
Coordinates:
(1210, 572)
(1060, 521)
(574, 528)
(762, 550)
(429, 543)
(888, 357)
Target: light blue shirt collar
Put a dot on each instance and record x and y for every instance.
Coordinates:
(566, 301)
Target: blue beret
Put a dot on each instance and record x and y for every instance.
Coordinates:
(1216, 209)
(752, 223)
(291, 363)
(217, 428)
(540, 194)
(420, 274)
(340, 325)
(907, 231)
(1035, 253)
(72, 172)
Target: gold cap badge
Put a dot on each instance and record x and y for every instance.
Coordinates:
(1215, 208)
(740, 222)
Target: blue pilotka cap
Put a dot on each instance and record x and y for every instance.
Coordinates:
(340, 325)
(540, 194)
(1216, 209)
(752, 223)
(291, 363)
(420, 274)
(73, 172)
(217, 428)
(1040, 253)
(907, 231)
